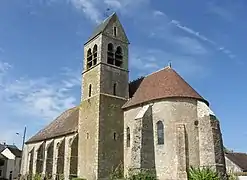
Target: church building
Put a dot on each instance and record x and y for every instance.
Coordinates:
(156, 122)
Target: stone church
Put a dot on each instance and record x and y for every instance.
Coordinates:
(156, 122)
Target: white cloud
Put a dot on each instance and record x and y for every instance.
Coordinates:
(145, 62)
(220, 11)
(34, 101)
(203, 38)
(96, 9)
(158, 13)
(191, 46)
(192, 32)
(89, 8)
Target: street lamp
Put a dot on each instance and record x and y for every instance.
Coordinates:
(23, 142)
(23, 138)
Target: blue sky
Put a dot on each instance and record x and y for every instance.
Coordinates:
(41, 50)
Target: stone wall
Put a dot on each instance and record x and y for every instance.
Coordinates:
(231, 167)
(88, 130)
(54, 159)
(49, 159)
(210, 139)
(110, 135)
(184, 128)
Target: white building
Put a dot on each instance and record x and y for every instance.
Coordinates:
(10, 161)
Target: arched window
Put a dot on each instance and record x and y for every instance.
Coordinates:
(89, 58)
(95, 54)
(115, 89)
(110, 54)
(119, 57)
(160, 132)
(128, 137)
(90, 90)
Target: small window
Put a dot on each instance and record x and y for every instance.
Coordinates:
(115, 136)
(90, 91)
(128, 137)
(115, 89)
(115, 31)
(160, 132)
(87, 135)
(196, 123)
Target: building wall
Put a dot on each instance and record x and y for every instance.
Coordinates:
(7, 153)
(181, 147)
(65, 154)
(88, 130)
(110, 127)
(232, 167)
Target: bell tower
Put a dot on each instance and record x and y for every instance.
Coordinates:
(105, 80)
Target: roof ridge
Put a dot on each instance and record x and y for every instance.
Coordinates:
(166, 67)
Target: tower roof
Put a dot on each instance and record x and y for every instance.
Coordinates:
(102, 26)
(165, 83)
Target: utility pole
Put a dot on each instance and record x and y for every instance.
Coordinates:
(23, 139)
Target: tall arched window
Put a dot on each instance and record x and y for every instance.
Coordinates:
(115, 89)
(160, 132)
(128, 136)
(89, 58)
(95, 54)
(90, 90)
(119, 57)
(110, 54)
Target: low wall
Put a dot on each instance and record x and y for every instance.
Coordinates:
(242, 177)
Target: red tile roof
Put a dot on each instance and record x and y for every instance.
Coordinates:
(166, 83)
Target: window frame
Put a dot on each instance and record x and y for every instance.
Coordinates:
(160, 133)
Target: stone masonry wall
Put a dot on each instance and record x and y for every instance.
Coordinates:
(129, 122)
(110, 135)
(231, 167)
(210, 139)
(110, 75)
(169, 112)
(88, 130)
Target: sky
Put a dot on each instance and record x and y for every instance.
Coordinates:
(41, 56)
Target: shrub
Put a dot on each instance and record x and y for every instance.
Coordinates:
(118, 172)
(204, 173)
(37, 177)
(142, 174)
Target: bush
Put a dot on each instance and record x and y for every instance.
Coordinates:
(142, 174)
(204, 173)
(118, 172)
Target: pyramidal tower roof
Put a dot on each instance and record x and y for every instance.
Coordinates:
(103, 25)
(165, 83)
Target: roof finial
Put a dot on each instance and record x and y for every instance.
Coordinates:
(170, 64)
